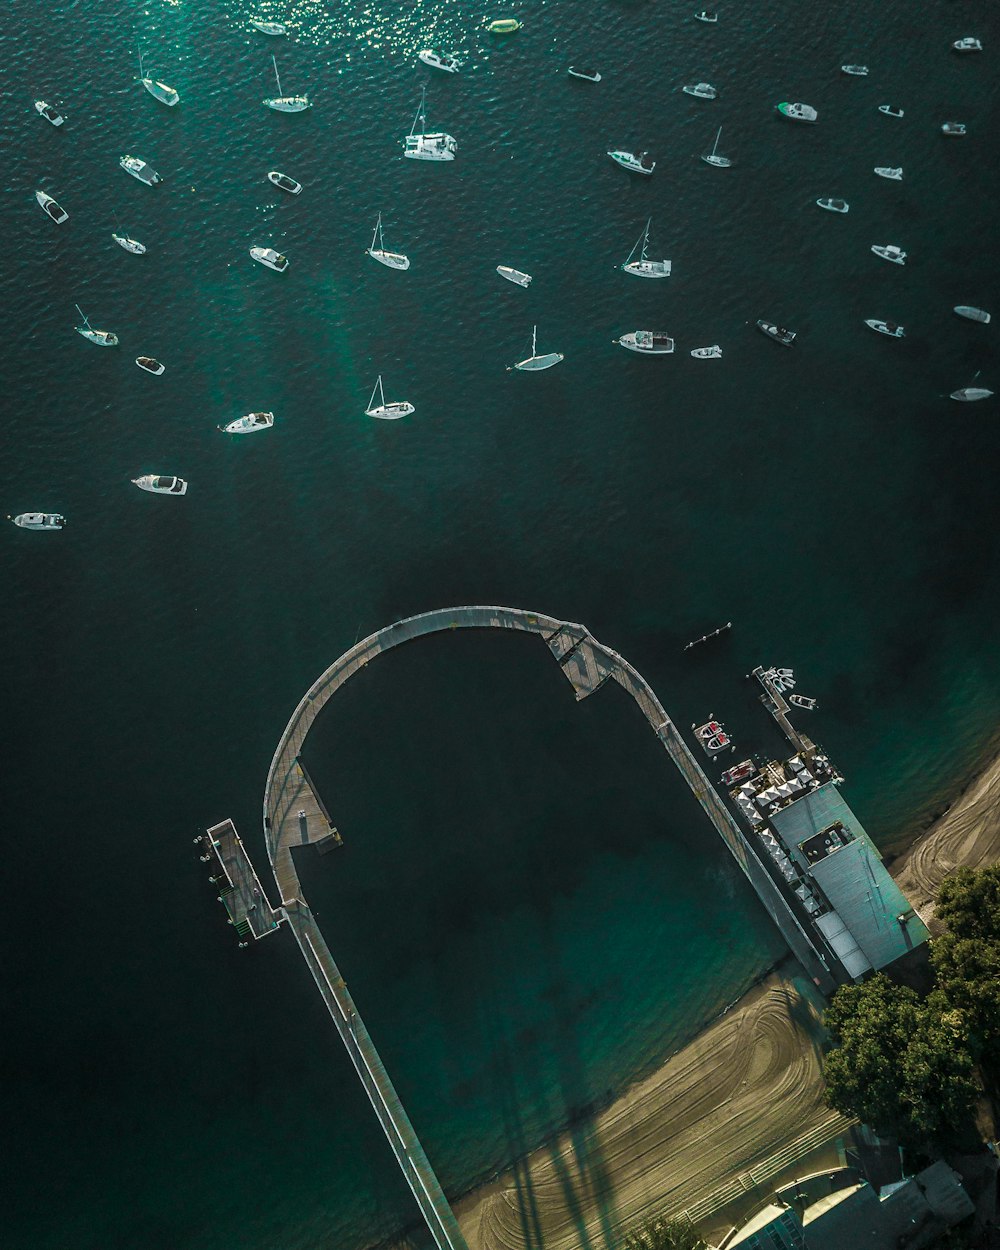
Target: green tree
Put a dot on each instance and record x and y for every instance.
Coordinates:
(659, 1233)
(966, 959)
(969, 903)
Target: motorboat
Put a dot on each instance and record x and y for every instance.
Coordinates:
(890, 110)
(268, 28)
(706, 16)
(103, 338)
(894, 174)
(953, 128)
(284, 182)
(383, 411)
(702, 90)
(780, 335)
(886, 327)
(285, 103)
(514, 275)
(834, 206)
(534, 363)
(647, 342)
(713, 737)
(634, 162)
(504, 26)
(803, 701)
(733, 776)
(130, 245)
(856, 71)
(643, 268)
(713, 158)
(54, 210)
(890, 252)
(969, 394)
(38, 520)
(590, 75)
(798, 112)
(423, 146)
(150, 365)
(249, 424)
(269, 257)
(972, 314)
(158, 484)
(439, 60)
(968, 44)
(140, 169)
(707, 353)
(158, 90)
(392, 260)
(49, 113)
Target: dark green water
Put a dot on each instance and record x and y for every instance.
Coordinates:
(163, 1089)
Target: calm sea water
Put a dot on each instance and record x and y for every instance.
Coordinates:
(529, 910)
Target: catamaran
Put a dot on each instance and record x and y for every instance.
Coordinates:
(534, 362)
(712, 158)
(38, 520)
(268, 28)
(158, 90)
(140, 169)
(427, 147)
(643, 268)
(890, 251)
(647, 342)
(54, 210)
(249, 424)
(285, 103)
(514, 275)
(49, 113)
(393, 260)
(103, 338)
(440, 60)
(384, 411)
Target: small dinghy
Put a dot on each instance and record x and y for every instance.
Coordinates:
(953, 128)
(285, 103)
(778, 333)
(803, 701)
(514, 275)
(647, 342)
(383, 411)
(701, 90)
(504, 26)
(39, 520)
(798, 112)
(158, 484)
(888, 171)
(634, 162)
(158, 90)
(423, 146)
(150, 365)
(713, 737)
(886, 327)
(890, 110)
(54, 210)
(536, 362)
(392, 260)
(49, 113)
(969, 394)
(268, 28)
(269, 257)
(588, 75)
(733, 776)
(968, 44)
(834, 206)
(856, 71)
(972, 314)
(440, 60)
(140, 169)
(284, 182)
(706, 16)
(249, 424)
(890, 252)
(130, 245)
(103, 338)
(707, 353)
(643, 268)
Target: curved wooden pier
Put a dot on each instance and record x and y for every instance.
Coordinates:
(294, 816)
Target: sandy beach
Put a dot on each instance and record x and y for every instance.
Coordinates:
(724, 1111)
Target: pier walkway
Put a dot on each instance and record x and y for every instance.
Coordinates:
(295, 816)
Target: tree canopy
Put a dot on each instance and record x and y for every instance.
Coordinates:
(966, 959)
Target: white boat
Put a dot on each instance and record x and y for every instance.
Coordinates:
(713, 158)
(423, 146)
(834, 206)
(969, 394)
(249, 424)
(103, 338)
(285, 103)
(39, 520)
(707, 353)
(798, 112)
(130, 245)
(647, 342)
(393, 260)
(972, 314)
(589, 75)
(514, 275)
(887, 171)
(634, 162)
(534, 362)
(158, 484)
(953, 128)
(857, 71)
(49, 113)
(440, 60)
(890, 252)
(269, 257)
(384, 411)
(150, 365)
(702, 90)
(803, 701)
(158, 90)
(284, 182)
(643, 268)
(886, 327)
(968, 44)
(54, 210)
(706, 16)
(268, 28)
(890, 110)
(140, 169)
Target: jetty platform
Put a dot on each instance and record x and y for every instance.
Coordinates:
(250, 912)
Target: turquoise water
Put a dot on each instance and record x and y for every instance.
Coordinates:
(163, 1088)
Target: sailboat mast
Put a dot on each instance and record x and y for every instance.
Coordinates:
(716, 143)
(376, 232)
(81, 312)
(276, 78)
(534, 333)
(645, 239)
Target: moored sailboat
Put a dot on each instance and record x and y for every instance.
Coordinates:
(158, 90)
(103, 338)
(713, 158)
(536, 362)
(392, 260)
(386, 412)
(285, 103)
(643, 268)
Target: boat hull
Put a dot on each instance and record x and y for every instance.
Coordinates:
(534, 364)
(707, 353)
(514, 275)
(161, 92)
(969, 394)
(281, 181)
(263, 257)
(632, 163)
(660, 345)
(49, 113)
(288, 103)
(151, 482)
(391, 260)
(55, 212)
(140, 171)
(149, 365)
(798, 113)
(648, 268)
(447, 65)
(882, 327)
(972, 314)
(39, 521)
(250, 424)
(390, 412)
(505, 26)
